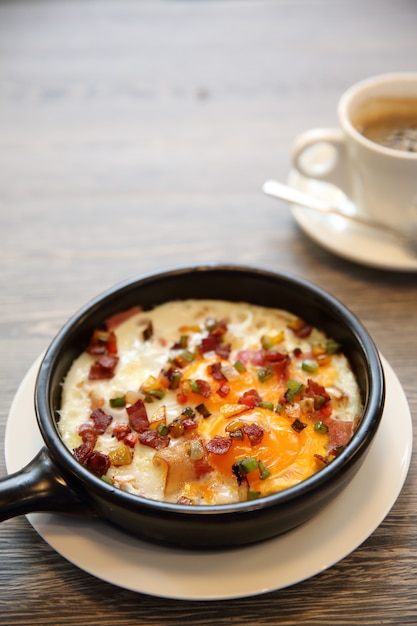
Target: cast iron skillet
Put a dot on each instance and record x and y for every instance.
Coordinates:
(55, 481)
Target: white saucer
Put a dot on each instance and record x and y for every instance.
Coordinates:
(342, 526)
(344, 238)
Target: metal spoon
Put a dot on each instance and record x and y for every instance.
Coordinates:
(285, 192)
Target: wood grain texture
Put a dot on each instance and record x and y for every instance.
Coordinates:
(137, 135)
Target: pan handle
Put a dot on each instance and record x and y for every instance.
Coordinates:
(39, 486)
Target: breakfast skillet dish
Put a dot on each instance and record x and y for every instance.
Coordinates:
(208, 402)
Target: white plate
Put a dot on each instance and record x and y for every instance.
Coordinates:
(344, 238)
(342, 526)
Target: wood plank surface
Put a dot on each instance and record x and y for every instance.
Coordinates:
(136, 136)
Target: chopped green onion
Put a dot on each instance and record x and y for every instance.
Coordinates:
(293, 389)
(156, 393)
(248, 464)
(188, 355)
(263, 470)
(319, 402)
(183, 341)
(118, 402)
(332, 346)
(309, 365)
(280, 408)
(188, 412)
(267, 405)
(264, 374)
(253, 495)
(175, 380)
(239, 367)
(194, 386)
(243, 467)
(163, 429)
(107, 480)
(321, 427)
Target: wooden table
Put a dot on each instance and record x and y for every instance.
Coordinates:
(136, 136)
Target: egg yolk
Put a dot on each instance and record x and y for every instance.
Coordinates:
(288, 455)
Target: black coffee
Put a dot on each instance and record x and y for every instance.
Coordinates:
(390, 122)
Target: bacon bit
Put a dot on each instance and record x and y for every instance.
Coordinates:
(262, 357)
(88, 433)
(170, 379)
(273, 356)
(184, 500)
(254, 357)
(223, 390)
(98, 463)
(101, 420)
(326, 411)
(102, 342)
(209, 344)
(339, 432)
(250, 398)
(148, 331)
(130, 440)
(115, 320)
(298, 425)
(83, 452)
(103, 368)
(280, 362)
(138, 418)
(153, 439)
(223, 350)
(254, 433)
(219, 445)
(121, 430)
(215, 370)
(189, 423)
(334, 452)
(216, 327)
(316, 391)
(202, 388)
(202, 467)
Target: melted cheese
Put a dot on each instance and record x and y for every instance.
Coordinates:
(289, 456)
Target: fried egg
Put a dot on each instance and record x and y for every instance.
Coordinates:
(236, 401)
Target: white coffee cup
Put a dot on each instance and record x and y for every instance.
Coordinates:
(380, 181)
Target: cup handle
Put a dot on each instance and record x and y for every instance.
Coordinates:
(321, 154)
